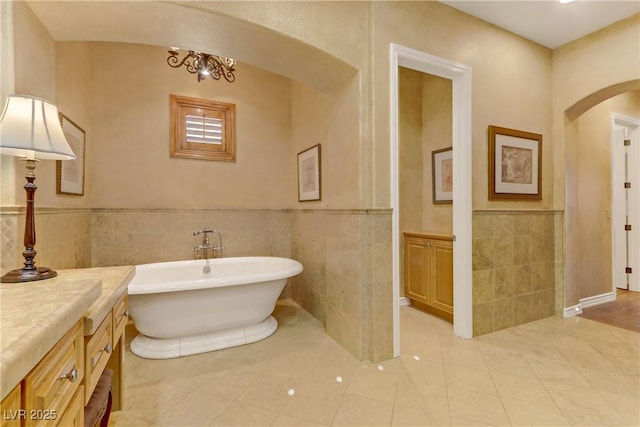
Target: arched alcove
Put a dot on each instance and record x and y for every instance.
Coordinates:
(189, 26)
(576, 181)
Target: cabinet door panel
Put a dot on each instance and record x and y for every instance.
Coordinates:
(416, 271)
(443, 284)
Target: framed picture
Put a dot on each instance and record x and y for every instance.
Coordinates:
(442, 175)
(309, 174)
(70, 173)
(515, 167)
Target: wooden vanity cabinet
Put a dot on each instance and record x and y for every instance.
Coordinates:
(10, 408)
(55, 382)
(428, 273)
(105, 349)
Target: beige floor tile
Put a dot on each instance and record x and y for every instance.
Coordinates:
(268, 392)
(527, 413)
(612, 382)
(582, 399)
(548, 371)
(151, 402)
(227, 384)
(406, 416)
(374, 384)
(507, 362)
(238, 414)
(473, 379)
(627, 406)
(468, 358)
(284, 420)
(434, 397)
(426, 371)
(482, 408)
(360, 411)
(521, 388)
(316, 401)
(627, 365)
(197, 409)
(590, 359)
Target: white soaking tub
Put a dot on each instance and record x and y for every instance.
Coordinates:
(188, 307)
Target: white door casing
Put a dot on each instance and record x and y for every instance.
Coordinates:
(460, 76)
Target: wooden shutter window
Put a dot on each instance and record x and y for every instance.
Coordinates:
(202, 129)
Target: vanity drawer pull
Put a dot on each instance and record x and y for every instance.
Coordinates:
(72, 376)
(106, 349)
(125, 314)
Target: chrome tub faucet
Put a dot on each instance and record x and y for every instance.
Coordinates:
(202, 251)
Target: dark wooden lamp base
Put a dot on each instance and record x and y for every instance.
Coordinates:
(30, 272)
(24, 275)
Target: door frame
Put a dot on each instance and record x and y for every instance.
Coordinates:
(460, 76)
(633, 125)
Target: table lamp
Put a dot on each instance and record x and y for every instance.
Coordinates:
(30, 128)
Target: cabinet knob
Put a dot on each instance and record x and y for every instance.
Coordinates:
(72, 376)
(125, 314)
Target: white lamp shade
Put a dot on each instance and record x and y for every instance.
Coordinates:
(30, 127)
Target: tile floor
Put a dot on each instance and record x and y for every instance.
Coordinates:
(551, 372)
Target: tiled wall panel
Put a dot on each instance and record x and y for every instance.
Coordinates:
(515, 268)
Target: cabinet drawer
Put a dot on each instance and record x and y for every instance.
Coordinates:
(10, 409)
(51, 385)
(98, 348)
(74, 415)
(120, 317)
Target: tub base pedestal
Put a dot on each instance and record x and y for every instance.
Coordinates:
(169, 348)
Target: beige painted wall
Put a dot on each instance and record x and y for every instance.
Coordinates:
(511, 85)
(437, 126)
(34, 74)
(410, 149)
(130, 163)
(584, 67)
(594, 191)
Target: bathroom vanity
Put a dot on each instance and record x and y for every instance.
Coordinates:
(428, 272)
(57, 336)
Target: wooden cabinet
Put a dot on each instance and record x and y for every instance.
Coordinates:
(428, 273)
(54, 382)
(11, 408)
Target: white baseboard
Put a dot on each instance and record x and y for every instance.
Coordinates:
(588, 302)
(405, 301)
(597, 300)
(574, 310)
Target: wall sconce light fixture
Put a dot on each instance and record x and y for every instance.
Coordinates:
(30, 128)
(204, 64)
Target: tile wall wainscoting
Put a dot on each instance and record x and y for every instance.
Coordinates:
(346, 284)
(63, 238)
(517, 268)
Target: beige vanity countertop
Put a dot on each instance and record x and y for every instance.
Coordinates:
(35, 315)
(33, 318)
(114, 285)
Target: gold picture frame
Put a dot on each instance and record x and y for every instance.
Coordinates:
(515, 164)
(70, 173)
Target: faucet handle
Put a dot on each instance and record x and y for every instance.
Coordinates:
(203, 231)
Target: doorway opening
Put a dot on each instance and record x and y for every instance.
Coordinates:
(460, 76)
(625, 203)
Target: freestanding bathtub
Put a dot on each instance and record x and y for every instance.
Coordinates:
(188, 307)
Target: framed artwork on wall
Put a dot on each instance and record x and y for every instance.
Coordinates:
(515, 166)
(70, 173)
(309, 175)
(442, 175)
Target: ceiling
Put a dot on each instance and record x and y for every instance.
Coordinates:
(549, 22)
